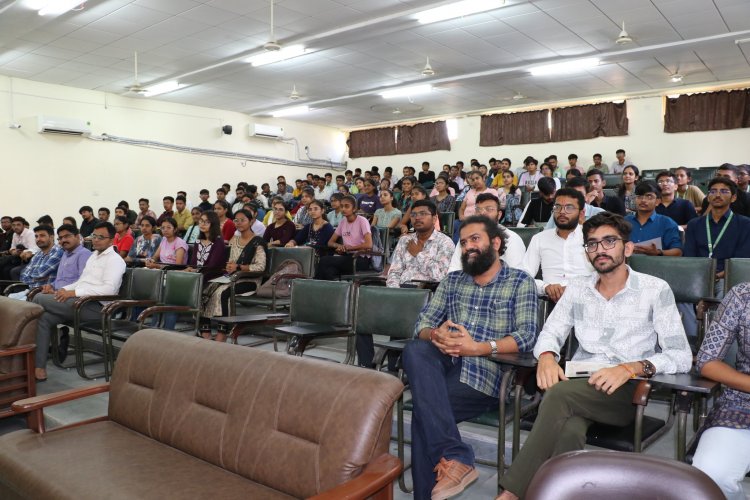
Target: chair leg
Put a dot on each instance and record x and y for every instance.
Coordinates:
(400, 440)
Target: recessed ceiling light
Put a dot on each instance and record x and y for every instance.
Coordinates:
(163, 88)
(406, 91)
(676, 78)
(565, 67)
(295, 110)
(278, 55)
(458, 9)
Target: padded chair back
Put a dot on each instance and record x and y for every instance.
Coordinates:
(613, 180)
(127, 280)
(304, 255)
(526, 233)
(323, 302)
(593, 475)
(183, 289)
(690, 278)
(146, 284)
(19, 325)
(389, 311)
(446, 222)
(736, 271)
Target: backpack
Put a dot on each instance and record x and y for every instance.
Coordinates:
(377, 246)
(282, 286)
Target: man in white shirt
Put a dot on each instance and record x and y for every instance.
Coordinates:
(102, 276)
(559, 251)
(620, 163)
(581, 185)
(488, 205)
(18, 257)
(619, 317)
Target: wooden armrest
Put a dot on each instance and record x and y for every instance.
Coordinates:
(160, 309)
(110, 308)
(88, 298)
(378, 474)
(56, 398)
(19, 349)
(642, 393)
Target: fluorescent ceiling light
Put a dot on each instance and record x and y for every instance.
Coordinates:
(296, 110)
(673, 96)
(458, 9)
(406, 91)
(279, 55)
(163, 88)
(58, 6)
(565, 67)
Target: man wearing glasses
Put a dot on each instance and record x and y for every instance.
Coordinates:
(101, 276)
(652, 234)
(559, 251)
(679, 210)
(619, 316)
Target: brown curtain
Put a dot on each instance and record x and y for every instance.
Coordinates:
(372, 142)
(529, 127)
(710, 111)
(422, 137)
(589, 121)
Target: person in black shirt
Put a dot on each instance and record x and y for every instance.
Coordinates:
(679, 210)
(597, 198)
(89, 221)
(539, 210)
(742, 204)
(426, 176)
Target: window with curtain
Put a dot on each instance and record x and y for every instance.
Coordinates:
(606, 119)
(529, 127)
(721, 110)
(423, 137)
(372, 142)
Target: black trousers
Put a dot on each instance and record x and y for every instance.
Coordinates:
(332, 267)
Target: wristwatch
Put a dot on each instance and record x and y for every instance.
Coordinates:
(649, 370)
(493, 347)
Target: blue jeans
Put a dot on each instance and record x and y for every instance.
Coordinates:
(440, 401)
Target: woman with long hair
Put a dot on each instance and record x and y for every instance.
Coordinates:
(630, 177)
(222, 209)
(146, 244)
(443, 200)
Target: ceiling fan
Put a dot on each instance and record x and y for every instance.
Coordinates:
(272, 45)
(136, 87)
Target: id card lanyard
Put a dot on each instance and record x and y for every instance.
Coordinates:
(711, 244)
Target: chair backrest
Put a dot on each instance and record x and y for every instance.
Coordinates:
(447, 219)
(294, 425)
(146, 284)
(526, 233)
(323, 302)
(304, 255)
(690, 278)
(389, 311)
(613, 180)
(736, 271)
(127, 280)
(183, 289)
(593, 475)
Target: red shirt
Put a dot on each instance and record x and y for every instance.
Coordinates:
(123, 244)
(227, 230)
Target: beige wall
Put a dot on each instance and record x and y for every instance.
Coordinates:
(57, 174)
(647, 145)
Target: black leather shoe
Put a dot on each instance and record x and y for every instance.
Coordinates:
(62, 346)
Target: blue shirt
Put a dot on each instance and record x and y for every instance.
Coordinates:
(734, 243)
(681, 211)
(71, 266)
(42, 268)
(657, 226)
(506, 306)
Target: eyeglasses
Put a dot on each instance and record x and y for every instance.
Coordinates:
(649, 197)
(486, 210)
(99, 237)
(668, 180)
(204, 221)
(724, 192)
(607, 243)
(568, 209)
(415, 215)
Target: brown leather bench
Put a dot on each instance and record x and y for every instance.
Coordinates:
(190, 418)
(18, 322)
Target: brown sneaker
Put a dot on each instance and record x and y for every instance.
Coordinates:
(452, 478)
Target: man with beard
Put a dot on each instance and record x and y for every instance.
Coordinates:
(619, 316)
(559, 251)
(43, 265)
(486, 308)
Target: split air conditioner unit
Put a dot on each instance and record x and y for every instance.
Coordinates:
(265, 131)
(64, 126)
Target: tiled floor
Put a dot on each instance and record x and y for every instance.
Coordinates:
(483, 439)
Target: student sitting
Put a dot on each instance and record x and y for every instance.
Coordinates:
(355, 235)
(146, 244)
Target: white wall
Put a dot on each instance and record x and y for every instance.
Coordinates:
(49, 174)
(646, 145)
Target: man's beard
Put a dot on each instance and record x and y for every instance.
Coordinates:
(609, 265)
(570, 225)
(481, 263)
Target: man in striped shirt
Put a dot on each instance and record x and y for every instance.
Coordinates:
(486, 308)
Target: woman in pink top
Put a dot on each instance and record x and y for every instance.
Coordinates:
(478, 186)
(172, 249)
(355, 236)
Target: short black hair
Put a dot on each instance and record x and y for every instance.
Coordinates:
(646, 187)
(726, 181)
(18, 218)
(123, 219)
(425, 203)
(308, 191)
(419, 189)
(546, 185)
(487, 197)
(620, 151)
(143, 199)
(70, 228)
(572, 156)
(149, 219)
(46, 229)
(125, 204)
(615, 221)
(508, 160)
(85, 208)
(108, 226)
(598, 155)
(530, 159)
(180, 198)
(204, 191)
(575, 172)
(351, 199)
(575, 182)
(45, 219)
(492, 229)
(336, 196)
(104, 209)
(572, 193)
(595, 171)
(170, 198)
(729, 167)
(665, 173)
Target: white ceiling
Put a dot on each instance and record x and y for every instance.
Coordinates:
(361, 46)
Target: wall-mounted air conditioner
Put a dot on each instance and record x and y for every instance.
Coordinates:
(265, 131)
(64, 126)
